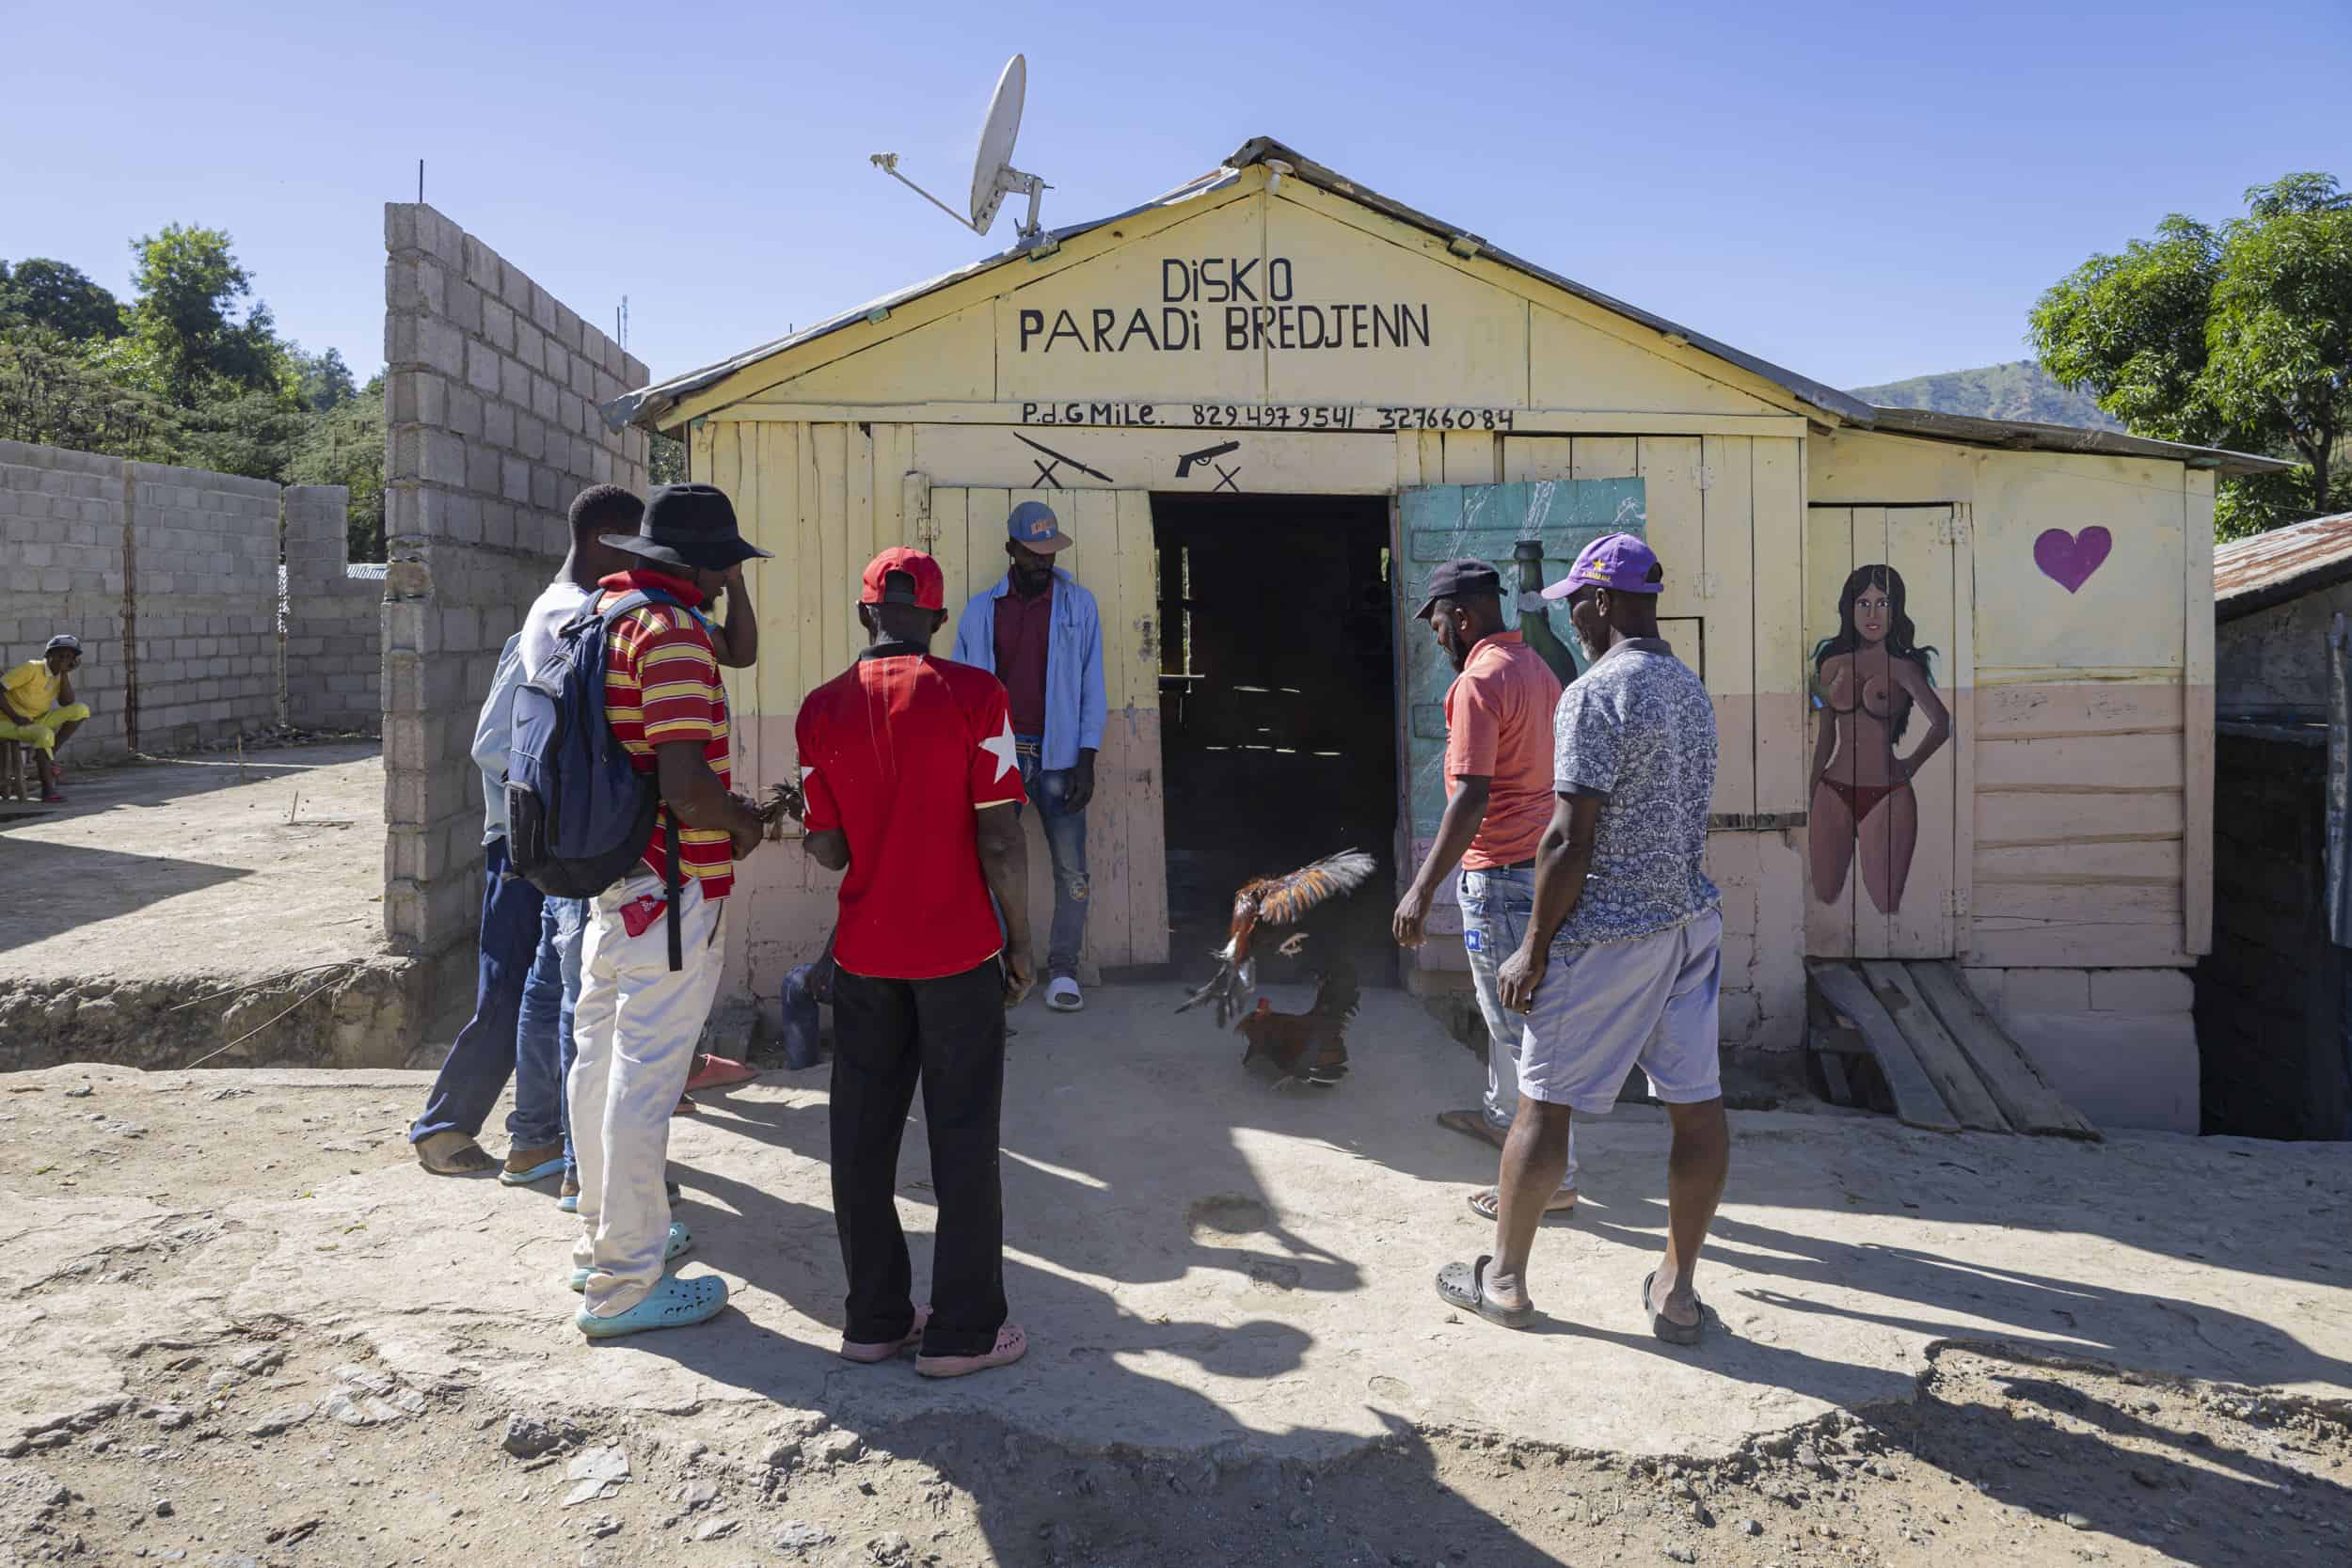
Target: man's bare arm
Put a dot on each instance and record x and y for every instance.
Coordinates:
(829, 848)
(1562, 862)
(1005, 862)
(1465, 813)
(696, 797)
(736, 642)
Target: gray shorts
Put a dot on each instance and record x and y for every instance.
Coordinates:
(1604, 1008)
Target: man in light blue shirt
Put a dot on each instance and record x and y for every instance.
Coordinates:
(1038, 631)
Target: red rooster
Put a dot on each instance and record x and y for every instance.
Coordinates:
(1309, 1046)
(1275, 901)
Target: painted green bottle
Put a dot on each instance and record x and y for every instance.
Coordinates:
(1535, 614)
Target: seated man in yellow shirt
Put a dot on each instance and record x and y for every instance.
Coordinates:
(37, 706)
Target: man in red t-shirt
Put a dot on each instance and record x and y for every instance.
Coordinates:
(909, 775)
(637, 1018)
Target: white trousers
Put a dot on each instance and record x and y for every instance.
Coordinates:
(635, 1028)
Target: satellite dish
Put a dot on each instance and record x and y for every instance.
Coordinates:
(993, 178)
(997, 134)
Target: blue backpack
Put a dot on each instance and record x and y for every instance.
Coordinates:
(579, 814)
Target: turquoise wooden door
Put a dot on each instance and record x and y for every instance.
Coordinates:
(1441, 522)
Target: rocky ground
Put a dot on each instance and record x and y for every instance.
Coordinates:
(269, 1446)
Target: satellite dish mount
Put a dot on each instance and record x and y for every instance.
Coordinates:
(993, 178)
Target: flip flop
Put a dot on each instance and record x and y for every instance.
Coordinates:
(1464, 1285)
(1471, 1124)
(552, 1165)
(717, 1072)
(1062, 994)
(680, 1239)
(869, 1352)
(1665, 1327)
(674, 1304)
(1485, 1203)
(685, 1107)
(1010, 1346)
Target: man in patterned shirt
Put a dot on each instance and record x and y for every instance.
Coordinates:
(1622, 959)
(637, 1018)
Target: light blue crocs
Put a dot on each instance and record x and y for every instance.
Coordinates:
(680, 1239)
(674, 1304)
(570, 1202)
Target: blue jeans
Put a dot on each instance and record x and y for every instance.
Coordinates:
(1066, 840)
(489, 1049)
(1496, 908)
(550, 992)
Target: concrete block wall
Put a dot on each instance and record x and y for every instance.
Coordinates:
(61, 570)
(491, 389)
(203, 560)
(169, 578)
(334, 648)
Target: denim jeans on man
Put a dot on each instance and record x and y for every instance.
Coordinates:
(1066, 841)
(1496, 908)
(492, 1048)
(550, 992)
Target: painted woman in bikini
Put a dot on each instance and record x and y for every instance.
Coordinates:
(1868, 678)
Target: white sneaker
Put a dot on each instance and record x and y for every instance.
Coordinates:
(1062, 994)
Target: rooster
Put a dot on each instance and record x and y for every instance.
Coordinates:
(1275, 901)
(1309, 1046)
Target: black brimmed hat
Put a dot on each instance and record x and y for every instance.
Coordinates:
(1463, 579)
(689, 524)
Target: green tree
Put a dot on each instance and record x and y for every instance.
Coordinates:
(345, 447)
(665, 460)
(323, 381)
(52, 394)
(186, 325)
(2238, 337)
(41, 292)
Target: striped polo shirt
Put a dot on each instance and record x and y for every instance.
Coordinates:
(661, 685)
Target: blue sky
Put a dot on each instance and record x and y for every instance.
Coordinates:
(1859, 192)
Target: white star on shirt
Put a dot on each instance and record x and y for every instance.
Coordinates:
(1000, 746)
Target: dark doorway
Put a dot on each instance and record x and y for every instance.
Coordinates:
(1278, 703)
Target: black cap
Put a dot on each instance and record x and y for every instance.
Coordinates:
(688, 524)
(1463, 579)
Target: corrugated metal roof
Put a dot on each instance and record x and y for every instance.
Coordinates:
(2285, 563)
(647, 405)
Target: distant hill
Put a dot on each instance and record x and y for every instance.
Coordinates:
(2018, 390)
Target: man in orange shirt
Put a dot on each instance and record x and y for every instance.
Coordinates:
(1498, 767)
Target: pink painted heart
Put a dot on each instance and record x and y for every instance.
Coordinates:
(2068, 559)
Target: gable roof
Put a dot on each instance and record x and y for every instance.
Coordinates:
(649, 404)
(2285, 563)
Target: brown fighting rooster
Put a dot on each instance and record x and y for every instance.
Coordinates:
(1308, 1047)
(1275, 901)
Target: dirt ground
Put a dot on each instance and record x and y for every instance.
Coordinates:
(203, 907)
(241, 1326)
(201, 866)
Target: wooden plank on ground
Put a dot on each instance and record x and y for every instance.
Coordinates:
(2025, 1096)
(1849, 998)
(1939, 1054)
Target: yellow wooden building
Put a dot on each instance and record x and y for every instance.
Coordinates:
(1265, 403)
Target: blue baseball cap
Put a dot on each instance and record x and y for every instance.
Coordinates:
(1034, 527)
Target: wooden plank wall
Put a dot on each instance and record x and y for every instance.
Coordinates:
(830, 496)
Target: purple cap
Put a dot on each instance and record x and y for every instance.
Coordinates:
(1621, 562)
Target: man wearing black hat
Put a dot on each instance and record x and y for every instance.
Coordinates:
(1497, 780)
(638, 1019)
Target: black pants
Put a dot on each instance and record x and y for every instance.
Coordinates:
(950, 1034)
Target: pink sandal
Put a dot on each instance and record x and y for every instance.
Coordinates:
(1012, 1345)
(871, 1351)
